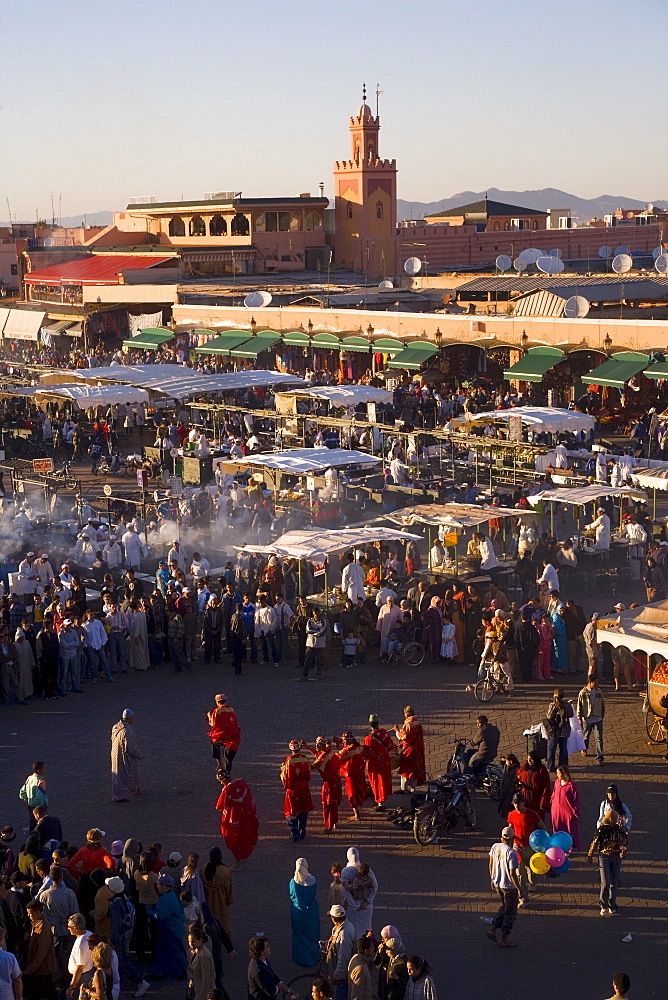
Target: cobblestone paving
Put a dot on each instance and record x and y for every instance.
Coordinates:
(438, 896)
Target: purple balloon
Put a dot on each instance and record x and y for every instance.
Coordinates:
(555, 856)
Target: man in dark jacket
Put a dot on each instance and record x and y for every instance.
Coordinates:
(263, 983)
(212, 630)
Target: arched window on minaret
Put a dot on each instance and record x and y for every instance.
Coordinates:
(350, 210)
(358, 150)
(379, 210)
(370, 152)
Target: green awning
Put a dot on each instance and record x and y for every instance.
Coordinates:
(326, 340)
(658, 370)
(618, 369)
(535, 363)
(224, 343)
(356, 344)
(256, 345)
(150, 338)
(386, 345)
(414, 355)
(297, 338)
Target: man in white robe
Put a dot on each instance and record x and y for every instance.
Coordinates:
(132, 546)
(352, 581)
(602, 528)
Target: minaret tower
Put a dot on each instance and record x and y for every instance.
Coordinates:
(365, 203)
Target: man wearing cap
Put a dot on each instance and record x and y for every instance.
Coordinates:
(29, 574)
(113, 555)
(68, 672)
(124, 756)
(116, 852)
(591, 645)
(339, 951)
(503, 873)
(225, 733)
(177, 555)
(295, 777)
(328, 766)
(601, 526)
(379, 768)
(121, 919)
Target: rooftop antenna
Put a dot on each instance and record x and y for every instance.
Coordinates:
(60, 208)
(53, 212)
(9, 212)
(378, 93)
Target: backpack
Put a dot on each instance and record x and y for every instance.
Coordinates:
(128, 915)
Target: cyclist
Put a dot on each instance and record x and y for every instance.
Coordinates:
(485, 748)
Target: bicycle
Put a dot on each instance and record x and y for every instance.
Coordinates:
(494, 680)
(306, 978)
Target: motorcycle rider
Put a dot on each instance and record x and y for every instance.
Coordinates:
(485, 748)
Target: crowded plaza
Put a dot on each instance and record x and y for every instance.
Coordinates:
(469, 588)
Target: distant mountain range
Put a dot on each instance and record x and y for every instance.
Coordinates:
(581, 208)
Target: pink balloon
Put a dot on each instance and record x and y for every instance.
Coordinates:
(555, 856)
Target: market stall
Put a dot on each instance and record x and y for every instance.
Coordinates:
(86, 397)
(538, 419)
(644, 630)
(317, 546)
(452, 518)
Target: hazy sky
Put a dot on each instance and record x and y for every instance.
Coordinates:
(102, 101)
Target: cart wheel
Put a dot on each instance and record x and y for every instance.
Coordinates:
(655, 731)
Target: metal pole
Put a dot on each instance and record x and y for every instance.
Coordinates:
(299, 571)
(326, 585)
(654, 505)
(552, 518)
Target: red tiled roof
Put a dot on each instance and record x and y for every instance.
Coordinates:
(100, 269)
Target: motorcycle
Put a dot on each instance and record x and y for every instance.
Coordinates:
(489, 778)
(447, 800)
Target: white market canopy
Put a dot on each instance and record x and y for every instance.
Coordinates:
(643, 629)
(175, 381)
(651, 479)
(303, 461)
(453, 515)
(581, 495)
(87, 396)
(317, 545)
(349, 395)
(537, 418)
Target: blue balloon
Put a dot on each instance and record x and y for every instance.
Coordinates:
(539, 841)
(563, 840)
(562, 869)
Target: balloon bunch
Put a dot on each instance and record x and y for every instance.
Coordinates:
(551, 852)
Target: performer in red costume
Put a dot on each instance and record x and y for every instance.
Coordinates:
(224, 733)
(238, 822)
(296, 775)
(353, 760)
(328, 766)
(379, 746)
(411, 759)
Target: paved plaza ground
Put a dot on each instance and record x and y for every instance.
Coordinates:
(437, 896)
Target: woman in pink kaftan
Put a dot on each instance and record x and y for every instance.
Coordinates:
(565, 806)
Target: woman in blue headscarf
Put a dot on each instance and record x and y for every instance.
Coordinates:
(559, 659)
(170, 954)
(304, 916)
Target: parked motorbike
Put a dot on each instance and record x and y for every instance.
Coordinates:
(446, 801)
(489, 778)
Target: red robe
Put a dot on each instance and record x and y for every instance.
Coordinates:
(224, 727)
(296, 775)
(238, 822)
(535, 786)
(379, 744)
(328, 766)
(411, 759)
(353, 761)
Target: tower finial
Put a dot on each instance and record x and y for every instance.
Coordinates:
(364, 93)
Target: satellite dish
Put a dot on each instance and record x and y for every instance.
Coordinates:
(503, 262)
(519, 263)
(556, 252)
(605, 252)
(622, 249)
(550, 265)
(576, 307)
(661, 263)
(257, 300)
(622, 263)
(413, 265)
(531, 255)
(657, 251)
(386, 283)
